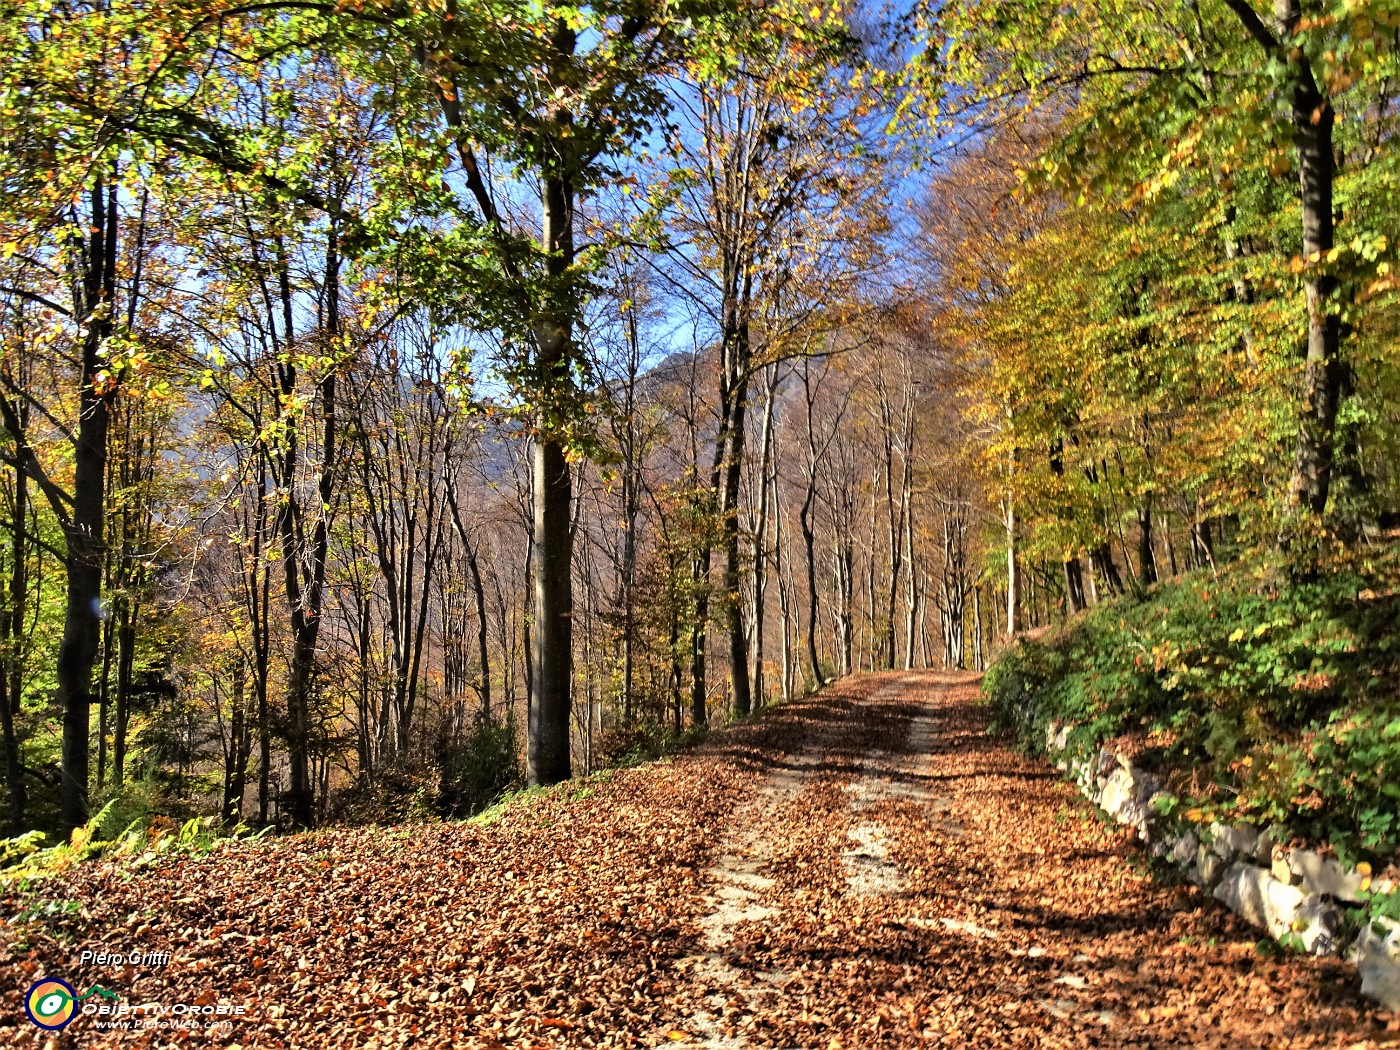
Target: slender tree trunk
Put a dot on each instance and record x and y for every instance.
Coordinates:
(760, 537)
(738, 636)
(629, 583)
(809, 540)
(700, 583)
(12, 638)
(1147, 563)
(235, 777)
(306, 587)
(1013, 578)
(978, 660)
(126, 670)
(104, 693)
(482, 639)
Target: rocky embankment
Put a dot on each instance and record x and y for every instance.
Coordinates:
(1301, 898)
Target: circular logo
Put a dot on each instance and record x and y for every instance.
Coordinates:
(50, 1003)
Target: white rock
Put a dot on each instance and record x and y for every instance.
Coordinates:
(1231, 841)
(1207, 868)
(1265, 843)
(1108, 762)
(1259, 898)
(1125, 796)
(1318, 923)
(1319, 874)
(1117, 795)
(1056, 737)
(1377, 956)
(1184, 850)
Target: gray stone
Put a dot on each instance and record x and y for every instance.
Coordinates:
(1259, 898)
(1232, 841)
(1125, 796)
(1319, 874)
(1207, 868)
(1056, 737)
(1377, 956)
(1318, 923)
(1183, 851)
(1108, 762)
(1117, 796)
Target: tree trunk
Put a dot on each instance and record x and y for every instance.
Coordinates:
(547, 753)
(1147, 562)
(979, 661)
(1323, 374)
(738, 637)
(83, 531)
(1324, 371)
(760, 535)
(483, 652)
(809, 540)
(236, 769)
(1101, 561)
(1013, 579)
(11, 668)
(306, 587)
(1074, 586)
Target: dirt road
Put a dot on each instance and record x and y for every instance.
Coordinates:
(863, 868)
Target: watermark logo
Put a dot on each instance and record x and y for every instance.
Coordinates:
(51, 1003)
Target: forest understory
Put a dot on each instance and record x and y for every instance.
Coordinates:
(864, 867)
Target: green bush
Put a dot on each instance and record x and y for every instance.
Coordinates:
(1274, 699)
(478, 768)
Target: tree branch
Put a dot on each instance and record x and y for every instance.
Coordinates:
(1254, 25)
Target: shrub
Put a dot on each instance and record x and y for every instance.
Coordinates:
(1274, 697)
(478, 768)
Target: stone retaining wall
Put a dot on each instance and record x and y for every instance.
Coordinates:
(1296, 895)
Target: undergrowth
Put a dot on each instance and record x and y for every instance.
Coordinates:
(28, 858)
(1269, 699)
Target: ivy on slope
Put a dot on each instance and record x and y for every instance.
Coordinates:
(1269, 699)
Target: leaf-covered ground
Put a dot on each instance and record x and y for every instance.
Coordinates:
(863, 868)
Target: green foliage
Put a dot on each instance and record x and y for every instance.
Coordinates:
(478, 769)
(1272, 700)
(138, 841)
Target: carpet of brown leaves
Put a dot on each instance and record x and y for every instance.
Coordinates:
(1003, 914)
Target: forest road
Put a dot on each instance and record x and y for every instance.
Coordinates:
(866, 867)
(902, 878)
